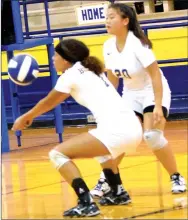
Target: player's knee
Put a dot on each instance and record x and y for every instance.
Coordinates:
(58, 159)
(155, 139)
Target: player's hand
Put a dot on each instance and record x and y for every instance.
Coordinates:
(157, 114)
(22, 122)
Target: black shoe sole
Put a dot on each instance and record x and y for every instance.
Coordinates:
(178, 192)
(115, 204)
(93, 214)
(82, 216)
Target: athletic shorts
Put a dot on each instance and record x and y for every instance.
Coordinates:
(143, 101)
(123, 137)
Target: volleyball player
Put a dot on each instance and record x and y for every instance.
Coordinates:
(118, 129)
(128, 55)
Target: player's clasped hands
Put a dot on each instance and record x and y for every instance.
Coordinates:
(22, 122)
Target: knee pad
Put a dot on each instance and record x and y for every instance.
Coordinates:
(58, 159)
(103, 159)
(155, 139)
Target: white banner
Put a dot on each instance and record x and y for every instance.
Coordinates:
(92, 14)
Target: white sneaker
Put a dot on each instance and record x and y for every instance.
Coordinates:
(178, 184)
(100, 189)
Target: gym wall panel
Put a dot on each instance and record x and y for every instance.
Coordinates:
(171, 43)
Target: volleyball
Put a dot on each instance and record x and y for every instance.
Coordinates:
(23, 69)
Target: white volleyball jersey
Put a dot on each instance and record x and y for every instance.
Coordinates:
(130, 64)
(95, 93)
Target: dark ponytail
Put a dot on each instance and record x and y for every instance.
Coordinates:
(74, 50)
(93, 64)
(134, 26)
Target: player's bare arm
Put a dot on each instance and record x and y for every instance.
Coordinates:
(49, 102)
(155, 75)
(44, 105)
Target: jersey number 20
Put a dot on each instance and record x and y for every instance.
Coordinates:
(122, 74)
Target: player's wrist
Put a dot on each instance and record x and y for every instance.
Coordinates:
(158, 105)
(30, 114)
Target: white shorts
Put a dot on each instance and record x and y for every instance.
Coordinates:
(121, 138)
(140, 100)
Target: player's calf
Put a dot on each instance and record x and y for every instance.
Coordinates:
(155, 139)
(86, 205)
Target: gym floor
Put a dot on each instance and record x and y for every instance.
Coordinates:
(33, 189)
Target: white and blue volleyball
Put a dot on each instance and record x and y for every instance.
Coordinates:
(23, 69)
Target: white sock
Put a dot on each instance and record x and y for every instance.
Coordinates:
(120, 189)
(102, 176)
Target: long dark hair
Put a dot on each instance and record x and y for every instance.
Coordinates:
(128, 12)
(74, 50)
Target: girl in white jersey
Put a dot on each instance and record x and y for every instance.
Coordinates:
(128, 55)
(118, 129)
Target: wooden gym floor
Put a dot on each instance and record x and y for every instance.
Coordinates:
(33, 189)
